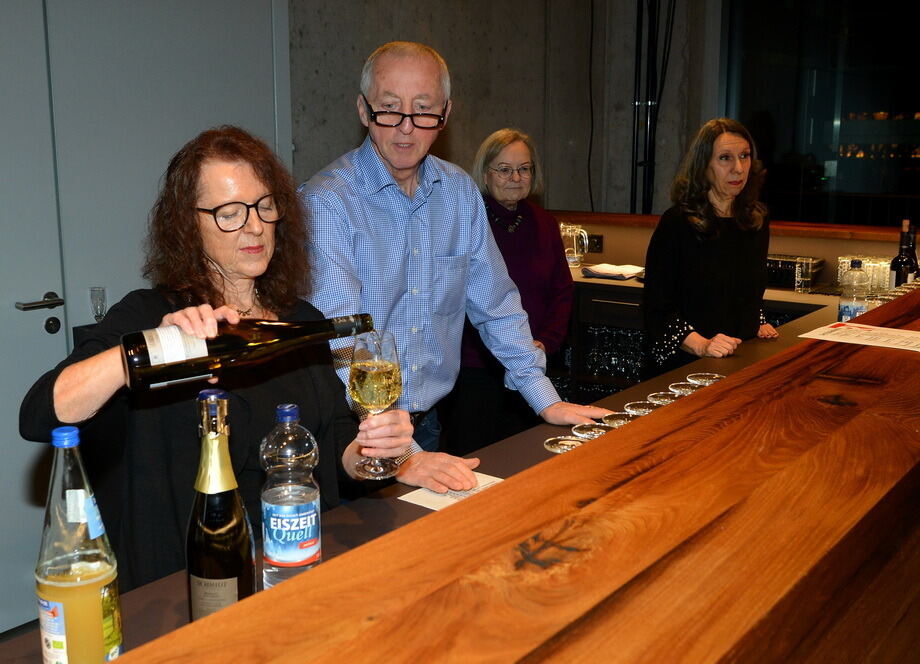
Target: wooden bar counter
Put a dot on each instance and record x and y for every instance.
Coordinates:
(772, 516)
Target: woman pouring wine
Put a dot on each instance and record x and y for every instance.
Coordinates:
(225, 242)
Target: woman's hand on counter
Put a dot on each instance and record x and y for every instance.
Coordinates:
(563, 412)
(767, 331)
(438, 471)
(721, 345)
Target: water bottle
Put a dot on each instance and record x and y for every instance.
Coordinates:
(291, 539)
(854, 289)
(76, 574)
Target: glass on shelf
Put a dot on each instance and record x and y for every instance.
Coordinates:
(663, 398)
(684, 388)
(616, 420)
(97, 302)
(704, 378)
(640, 407)
(591, 431)
(560, 444)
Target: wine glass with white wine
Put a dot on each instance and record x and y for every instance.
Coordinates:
(375, 383)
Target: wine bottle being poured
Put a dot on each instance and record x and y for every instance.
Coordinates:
(166, 355)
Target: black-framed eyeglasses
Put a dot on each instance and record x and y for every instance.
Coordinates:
(395, 118)
(233, 216)
(505, 172)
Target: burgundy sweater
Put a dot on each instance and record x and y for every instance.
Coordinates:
(536, 262)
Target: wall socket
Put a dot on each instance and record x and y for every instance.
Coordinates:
(595, 244)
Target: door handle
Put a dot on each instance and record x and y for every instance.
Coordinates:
(50, 301)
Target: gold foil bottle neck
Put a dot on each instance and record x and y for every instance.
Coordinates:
(215, 471)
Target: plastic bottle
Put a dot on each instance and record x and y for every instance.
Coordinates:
(291, 538)
(76, 575)
(854, 289)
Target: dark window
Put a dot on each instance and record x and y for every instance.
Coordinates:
(829, 91)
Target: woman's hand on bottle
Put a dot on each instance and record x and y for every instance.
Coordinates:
(767, 331)
(201, 321)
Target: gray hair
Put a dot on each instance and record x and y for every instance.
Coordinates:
(404, 49)
(495, 143)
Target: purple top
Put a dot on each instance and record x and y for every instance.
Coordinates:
(532, 248)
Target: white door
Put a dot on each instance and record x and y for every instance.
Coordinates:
(84, 140)
(30, 266)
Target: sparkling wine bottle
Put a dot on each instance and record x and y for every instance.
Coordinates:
(165, 355)
(220, 549)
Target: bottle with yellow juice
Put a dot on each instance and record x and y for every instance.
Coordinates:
(76, 574)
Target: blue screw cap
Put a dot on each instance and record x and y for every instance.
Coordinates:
(287, 412)
(68, 436)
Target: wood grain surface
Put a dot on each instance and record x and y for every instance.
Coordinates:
(772, 517)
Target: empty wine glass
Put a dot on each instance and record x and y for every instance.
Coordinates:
(663, 398)
(97, 302)
(640, 407)
(561, 444)
(704, 378)
(617, 420)
(591, 431)
(374, 383)
(684, 388)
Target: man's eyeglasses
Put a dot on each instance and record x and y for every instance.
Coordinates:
(233, 216)
(395, 118)
(505, 172)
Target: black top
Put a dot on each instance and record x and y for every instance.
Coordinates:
(141, 450)
(708, 284)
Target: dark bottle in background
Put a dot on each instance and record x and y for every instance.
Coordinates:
(220, 549)
(166, 355)
(904, 265)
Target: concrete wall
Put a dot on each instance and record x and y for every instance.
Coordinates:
(516, 63)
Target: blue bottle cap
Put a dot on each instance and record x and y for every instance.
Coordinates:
(287, 412)
(65, 437)
(214, 392)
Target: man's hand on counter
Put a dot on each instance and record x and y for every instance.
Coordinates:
(438, 471)
(563, 412)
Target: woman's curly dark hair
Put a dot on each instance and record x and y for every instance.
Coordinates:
(176, 261)
(691, 186)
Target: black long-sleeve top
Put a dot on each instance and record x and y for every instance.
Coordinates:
(141, 450)
(705, 283)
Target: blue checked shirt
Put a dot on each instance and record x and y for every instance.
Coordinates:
(418, 266)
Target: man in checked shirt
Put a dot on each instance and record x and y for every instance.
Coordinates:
(403, 235)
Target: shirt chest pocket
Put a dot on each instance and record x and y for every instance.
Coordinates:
(448, 288)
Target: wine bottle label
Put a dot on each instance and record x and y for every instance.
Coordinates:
(290, 534)
(166, 345)
(210, 595)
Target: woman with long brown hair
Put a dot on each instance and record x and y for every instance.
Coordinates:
(706, 262)
(225, 242)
